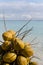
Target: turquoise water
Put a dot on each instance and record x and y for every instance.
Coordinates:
(36, 32)
(16, 25)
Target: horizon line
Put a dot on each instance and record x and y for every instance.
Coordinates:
(21, 20)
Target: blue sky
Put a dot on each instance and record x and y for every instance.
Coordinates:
(21, 9)
(22, 0)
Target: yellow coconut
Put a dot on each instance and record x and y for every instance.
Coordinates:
(7, 36)
(27, 51)
(21, 60)
(18, 44)
(6, 45)
(9, 57)
(28, 60)
(12, 32)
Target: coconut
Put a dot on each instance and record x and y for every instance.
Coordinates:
(18, 44)
(27, 51)
(9, 57)
(7, 36)
(21, 60)
(6, 45)
(12, 32)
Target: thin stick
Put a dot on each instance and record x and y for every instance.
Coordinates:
(35, 57)
(22, 32)
(34, 39)
(34, 43)
(4, 22)
(26, 33)
(22, 27)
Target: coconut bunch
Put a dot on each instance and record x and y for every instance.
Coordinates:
(15, 51)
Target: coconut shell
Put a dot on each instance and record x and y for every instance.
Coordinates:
(28, 60)
(18, 44)
(7, 36)
(27, 51)
(21, 60)
(12, 32)
(6, 45)
(9, 57)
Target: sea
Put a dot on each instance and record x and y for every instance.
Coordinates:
(34, 37)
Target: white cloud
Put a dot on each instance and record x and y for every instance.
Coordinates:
(26, 16)
(22, 9)
(7, 16)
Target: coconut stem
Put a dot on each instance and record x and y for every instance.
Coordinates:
(22, 27)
